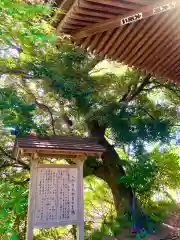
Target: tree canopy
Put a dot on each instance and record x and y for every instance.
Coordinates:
(49, 85)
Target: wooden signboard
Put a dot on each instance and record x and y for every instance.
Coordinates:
(56, 194)
(56, 197)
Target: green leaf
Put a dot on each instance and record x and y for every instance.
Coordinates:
(14, 236)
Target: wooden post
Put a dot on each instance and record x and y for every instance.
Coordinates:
(81, 200)
(31, 200)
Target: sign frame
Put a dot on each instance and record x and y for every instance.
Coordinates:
(32, 197)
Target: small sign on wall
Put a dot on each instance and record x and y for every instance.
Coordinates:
(155, 10)
(164, 8)
(130, 19)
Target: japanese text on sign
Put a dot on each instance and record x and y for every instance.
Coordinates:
(164, 8)
(56, 196)
(130, 19)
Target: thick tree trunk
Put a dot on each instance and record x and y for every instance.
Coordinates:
(111, 170)
(122, 194)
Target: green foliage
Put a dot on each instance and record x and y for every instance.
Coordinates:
(98, 204)
(150, 171)
(129, 125)
(111, 226)
(160, 210)
(168, 164)
(141, 176)
(16, 113)
(52, 233)
(13, 209)
(23, 23)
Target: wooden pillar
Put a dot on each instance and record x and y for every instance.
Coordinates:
(81, 200)
(31, 200)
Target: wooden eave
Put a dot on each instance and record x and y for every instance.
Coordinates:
(57, 146)
(152, 43)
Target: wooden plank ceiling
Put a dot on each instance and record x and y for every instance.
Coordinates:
(144, 34)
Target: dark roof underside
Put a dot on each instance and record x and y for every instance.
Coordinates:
(151, 44)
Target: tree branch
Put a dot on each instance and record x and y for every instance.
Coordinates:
(171, 89)
(22, 163)
(20, 182)
(97, 70)
(16, 72)
(125, 96)
(140, 88)
(19, 49)
(9, 45)
(4, 49)
(146, 111)
(153, 87)
(20, 72)
(10, 165)
(133, 90)
(43, 106)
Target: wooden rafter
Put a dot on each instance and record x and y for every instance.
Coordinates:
(109, 28)
(139, 14)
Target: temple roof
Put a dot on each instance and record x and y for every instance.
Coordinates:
(139, 33)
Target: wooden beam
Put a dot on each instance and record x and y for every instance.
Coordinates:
(157, 30)
(102, 43)
(160, 42)
(123, 34)
(31, 198)
(58, 152)
(80, 189)
(134, 35)
(56, 165)
(118, 4)
(145, 51)
(147, 2)
(94, 41)
(112, 42)
(130, 17)
(100, 7)
(56, 156)
(66, 4)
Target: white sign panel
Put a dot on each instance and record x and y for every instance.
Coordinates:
(130, 19)
(56, 200)
(164, 8)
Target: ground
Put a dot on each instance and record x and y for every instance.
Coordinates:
(168, 230)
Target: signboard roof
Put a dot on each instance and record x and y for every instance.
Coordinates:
(58, 145)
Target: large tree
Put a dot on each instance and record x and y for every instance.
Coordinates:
(51, 86)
